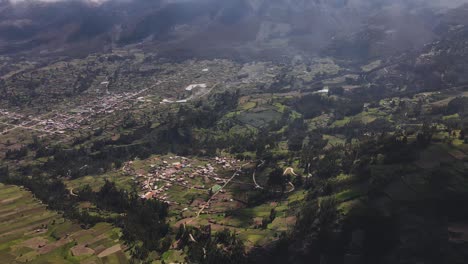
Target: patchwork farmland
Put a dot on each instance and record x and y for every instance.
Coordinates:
(31, 233)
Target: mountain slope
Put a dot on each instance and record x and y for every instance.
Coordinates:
(199, 27)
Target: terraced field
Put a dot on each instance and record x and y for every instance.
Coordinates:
(31, 233)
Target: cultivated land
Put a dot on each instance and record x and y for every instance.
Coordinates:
(203, 191)
(248, 147)
(31, 233)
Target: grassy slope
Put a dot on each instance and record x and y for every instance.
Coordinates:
(30, 232)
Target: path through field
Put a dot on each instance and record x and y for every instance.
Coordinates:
(235, 174)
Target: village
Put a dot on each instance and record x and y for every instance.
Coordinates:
(165, 174)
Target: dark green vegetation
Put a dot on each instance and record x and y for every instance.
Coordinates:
(339, 176)
(139, 158)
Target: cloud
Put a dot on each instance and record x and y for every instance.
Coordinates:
(449, 3)
(434, 3)
(56, 1)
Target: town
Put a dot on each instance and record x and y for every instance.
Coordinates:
(80, 117)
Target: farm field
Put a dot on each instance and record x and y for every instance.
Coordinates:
(192, 186)
(30, 233)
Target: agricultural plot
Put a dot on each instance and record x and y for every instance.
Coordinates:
(204, 191)
(31, 233)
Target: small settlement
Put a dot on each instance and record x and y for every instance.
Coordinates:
(165, 173)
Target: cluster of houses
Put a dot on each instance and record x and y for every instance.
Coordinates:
(165, 173)
(11, 115)
(60, 122)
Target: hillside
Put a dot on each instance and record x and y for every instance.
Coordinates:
(233, 132)
(31, 233)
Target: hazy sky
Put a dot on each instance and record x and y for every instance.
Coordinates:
(434, 3)
(52, 1)
(437, 2)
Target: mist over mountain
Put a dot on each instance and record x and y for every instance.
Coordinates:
(220, 28)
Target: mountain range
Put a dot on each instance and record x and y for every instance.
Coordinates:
(224, 28)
